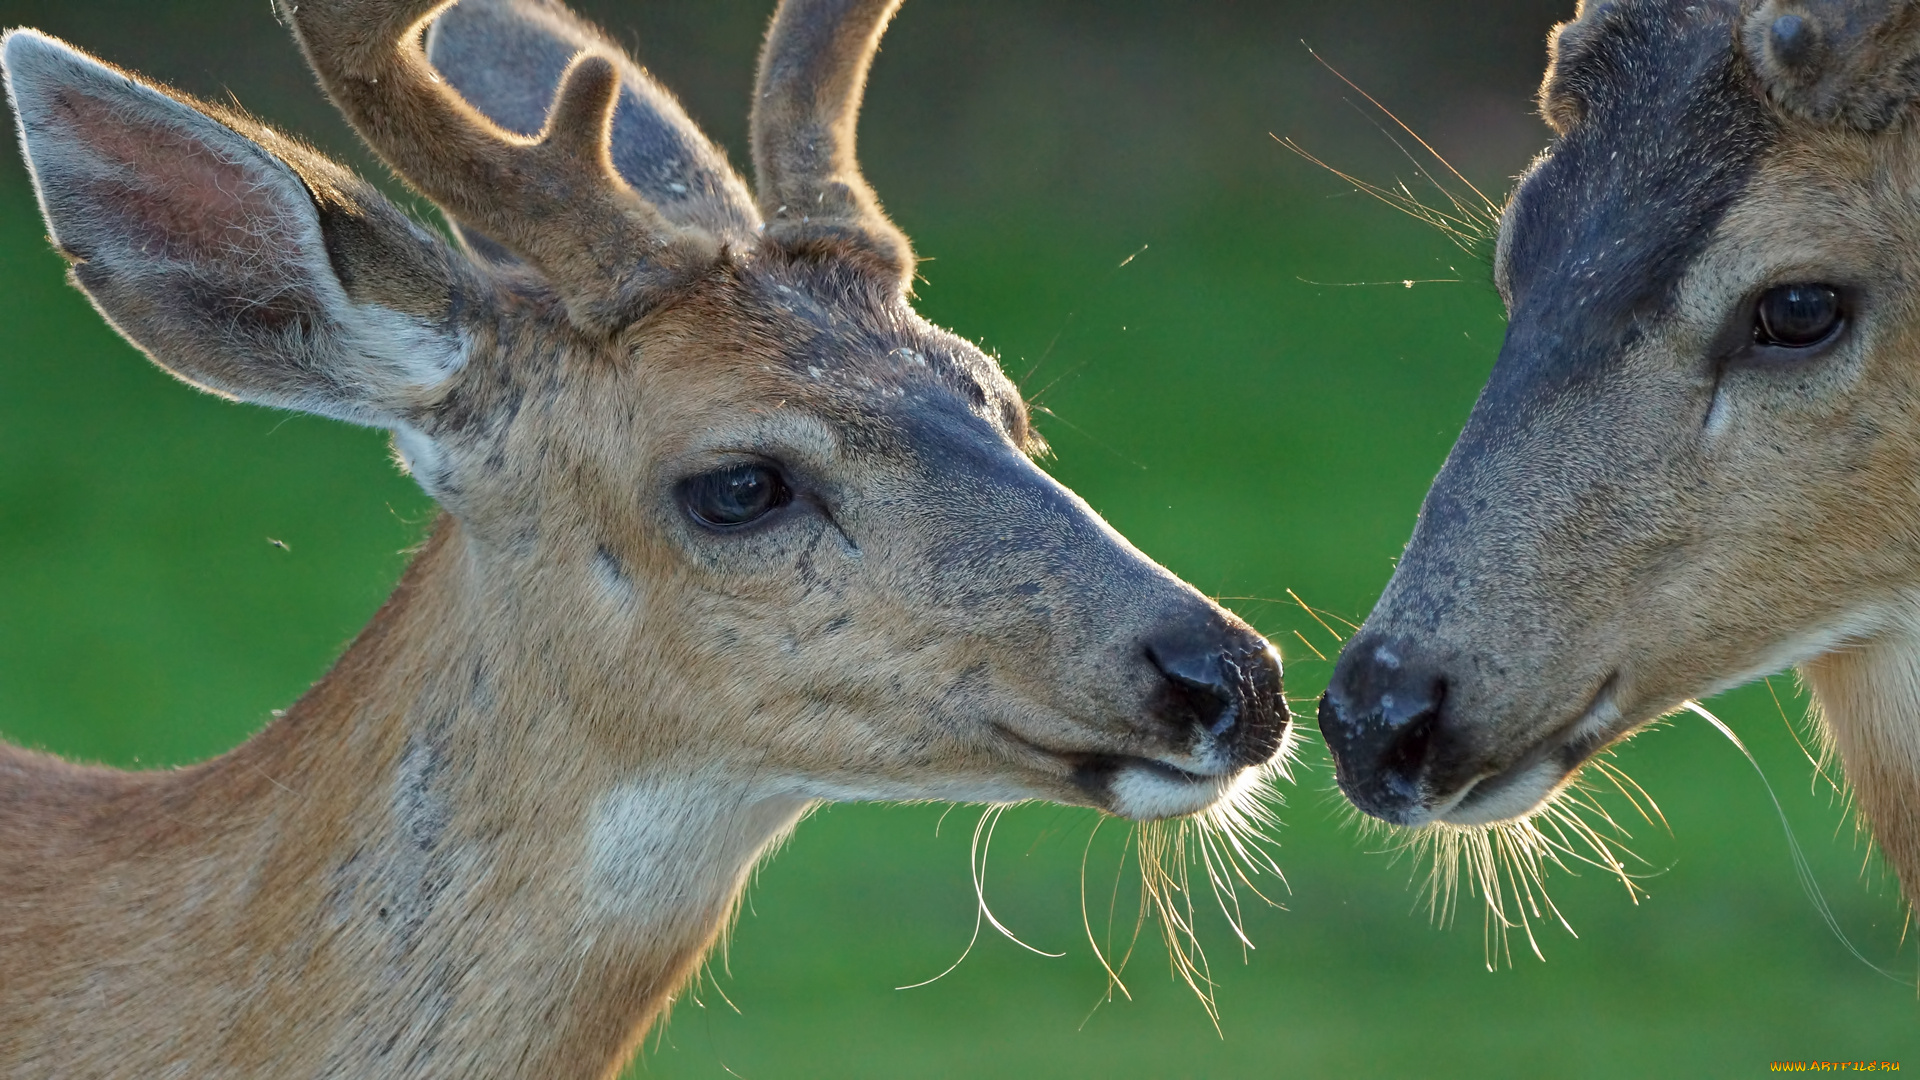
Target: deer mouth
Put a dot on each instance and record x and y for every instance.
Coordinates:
(1136, 787)
(1147, 789)
(1532, 779)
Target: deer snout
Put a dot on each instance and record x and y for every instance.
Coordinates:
(1380, 716)
(1216, 708)
(1220, 689)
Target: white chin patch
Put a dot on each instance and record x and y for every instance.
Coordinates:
(1515, 799)
(1144, 793)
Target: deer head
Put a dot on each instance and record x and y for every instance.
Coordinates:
(727, 528)
(714, 430)
(1695, 460)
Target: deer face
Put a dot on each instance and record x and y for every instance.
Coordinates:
(832, 542)
(708, 467)
(1694, 462)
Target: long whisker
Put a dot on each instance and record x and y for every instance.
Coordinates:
(951, 968)
(1460, 209)
(1641, 801)
(1403, 127)
(1315, 616)
(1801, 866)
(1090, 437)
(1458, 228)
(977, 867)
(1034, 398)
(1113, 976)
(1506, 864)
(991, 819)
(1819, 766)
(1310, 646)
(1467, 224)
(1132, 844)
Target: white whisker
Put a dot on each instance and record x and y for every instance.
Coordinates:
(1506, 864)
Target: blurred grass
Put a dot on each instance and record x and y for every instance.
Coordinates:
(1254, 431)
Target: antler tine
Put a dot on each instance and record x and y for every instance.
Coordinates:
(813, 73)
(554, 199)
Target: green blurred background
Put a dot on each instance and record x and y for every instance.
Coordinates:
(1256, 399)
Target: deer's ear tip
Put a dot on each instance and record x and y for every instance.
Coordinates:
(22, 37)
(28, 56)
(23, 48)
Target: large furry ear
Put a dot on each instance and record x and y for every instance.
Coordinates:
(1852, 62)
(236, 258)
(506, 58)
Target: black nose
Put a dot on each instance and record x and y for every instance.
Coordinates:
(1379, 717)
(1220, 681)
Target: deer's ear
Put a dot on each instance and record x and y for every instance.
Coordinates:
(506, 58)
(237, 259)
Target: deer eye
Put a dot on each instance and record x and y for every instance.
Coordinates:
(735, 496)
(1796, 316)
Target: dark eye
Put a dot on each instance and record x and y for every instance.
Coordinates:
(735, 496)
(1796, 316)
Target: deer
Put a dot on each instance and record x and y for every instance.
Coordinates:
(1694, 462)
(726, 530)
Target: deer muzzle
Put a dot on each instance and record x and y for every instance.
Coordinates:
(1218, 708)
(1403, 752)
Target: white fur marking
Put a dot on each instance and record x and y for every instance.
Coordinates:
(422, 356)
(677, 843)
(1145, 795)
(419, 456)
(1517, 798)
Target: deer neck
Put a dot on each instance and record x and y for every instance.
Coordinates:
(1869, 695)
(448, 874)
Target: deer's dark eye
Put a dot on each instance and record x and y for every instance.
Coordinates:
(735, 496)
(1796, 316)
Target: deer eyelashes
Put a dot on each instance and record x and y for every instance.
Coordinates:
(735, 496)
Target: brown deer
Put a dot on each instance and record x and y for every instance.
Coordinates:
(1697, 460)
(727, 530)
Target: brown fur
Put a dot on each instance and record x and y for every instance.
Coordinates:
(503, 830)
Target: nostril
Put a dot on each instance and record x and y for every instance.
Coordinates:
(1384, 717)
(1411, 739)
(1195, 692)
(1219, 692)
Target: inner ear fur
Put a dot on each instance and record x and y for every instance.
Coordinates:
(237, 258)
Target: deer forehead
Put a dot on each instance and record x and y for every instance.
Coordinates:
(754, 355)
(1849, 197)
(1676, 188)
(1659, 134)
